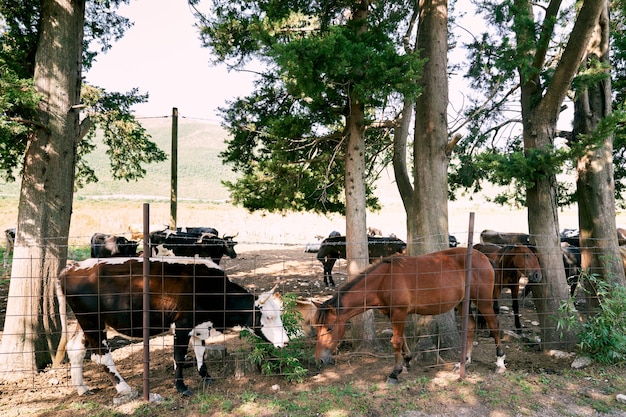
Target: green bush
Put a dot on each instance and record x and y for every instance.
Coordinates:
(603, 334)
(286, 361)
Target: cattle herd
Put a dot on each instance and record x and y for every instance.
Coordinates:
(192, 294)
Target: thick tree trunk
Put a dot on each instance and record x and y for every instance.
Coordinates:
(46, 195)
(595, 183)
(540, 108)
(428, 226)
(364, 330)
(427, 206)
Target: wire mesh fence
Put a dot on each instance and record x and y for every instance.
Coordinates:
(291, 269)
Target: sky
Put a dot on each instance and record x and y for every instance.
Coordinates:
(162, 56)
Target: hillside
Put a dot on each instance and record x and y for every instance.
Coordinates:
(200, 169)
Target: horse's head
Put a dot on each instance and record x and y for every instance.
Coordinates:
(531, 267)
(329, 331)
(520, 260)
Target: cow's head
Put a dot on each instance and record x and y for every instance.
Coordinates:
(125, 246)
(229, 246)
(271, 324)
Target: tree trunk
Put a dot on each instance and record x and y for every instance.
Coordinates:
(31, 331)
(427, 204)
(429, 233)
(363, 330)
(539, 116)
(595, 183)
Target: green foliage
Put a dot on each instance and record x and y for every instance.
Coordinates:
(18, 105)
(285, 361)
(516, 48)
(129, 145)
(288, 136)
(603, 334)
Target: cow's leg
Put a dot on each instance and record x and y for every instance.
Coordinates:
(105, 360)
(76, 350)
(181, 343)
(328, 268)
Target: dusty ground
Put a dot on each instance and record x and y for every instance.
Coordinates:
(535, 384)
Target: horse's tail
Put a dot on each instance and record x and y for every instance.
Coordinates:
(60, 353)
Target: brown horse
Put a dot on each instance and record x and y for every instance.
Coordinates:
(402, 285)
(510, 264)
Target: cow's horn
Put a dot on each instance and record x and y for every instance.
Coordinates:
(266, 295)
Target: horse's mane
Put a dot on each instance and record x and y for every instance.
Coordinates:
(335, 301)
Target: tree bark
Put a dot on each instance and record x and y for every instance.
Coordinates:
(595, 183)
(428, 224)
(426, 200)
(364, 330)
(45, 206)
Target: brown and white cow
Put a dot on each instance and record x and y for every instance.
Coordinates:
(188, 294)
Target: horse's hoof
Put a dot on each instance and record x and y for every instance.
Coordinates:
(208, 381)
(500, 370)
(186, 393)
(392, 381)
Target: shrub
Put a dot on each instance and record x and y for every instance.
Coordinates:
(286, 361)
(603, 334)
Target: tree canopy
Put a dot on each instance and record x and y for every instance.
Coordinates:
(493, 151)
(293, 125)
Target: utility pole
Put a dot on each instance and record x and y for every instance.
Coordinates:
(174, 171)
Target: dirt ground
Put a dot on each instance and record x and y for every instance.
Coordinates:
(544, 384)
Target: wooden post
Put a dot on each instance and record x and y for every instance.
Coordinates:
(146, 302)
(174, 170)
(466, 301)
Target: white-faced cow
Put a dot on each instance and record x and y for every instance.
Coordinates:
(109, 246)
(204, 245)
(192, 295)
(333, 248)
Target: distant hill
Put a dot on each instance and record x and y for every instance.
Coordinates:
(200, 170)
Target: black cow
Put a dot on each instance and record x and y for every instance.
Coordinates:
(194, 295)
(109, 246)
(572, 264)
(9, 235)
(198, 231)
(179, 243)
(333, 248)
(314, 247)
(572, 236)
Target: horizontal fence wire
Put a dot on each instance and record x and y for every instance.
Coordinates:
(290, 268)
